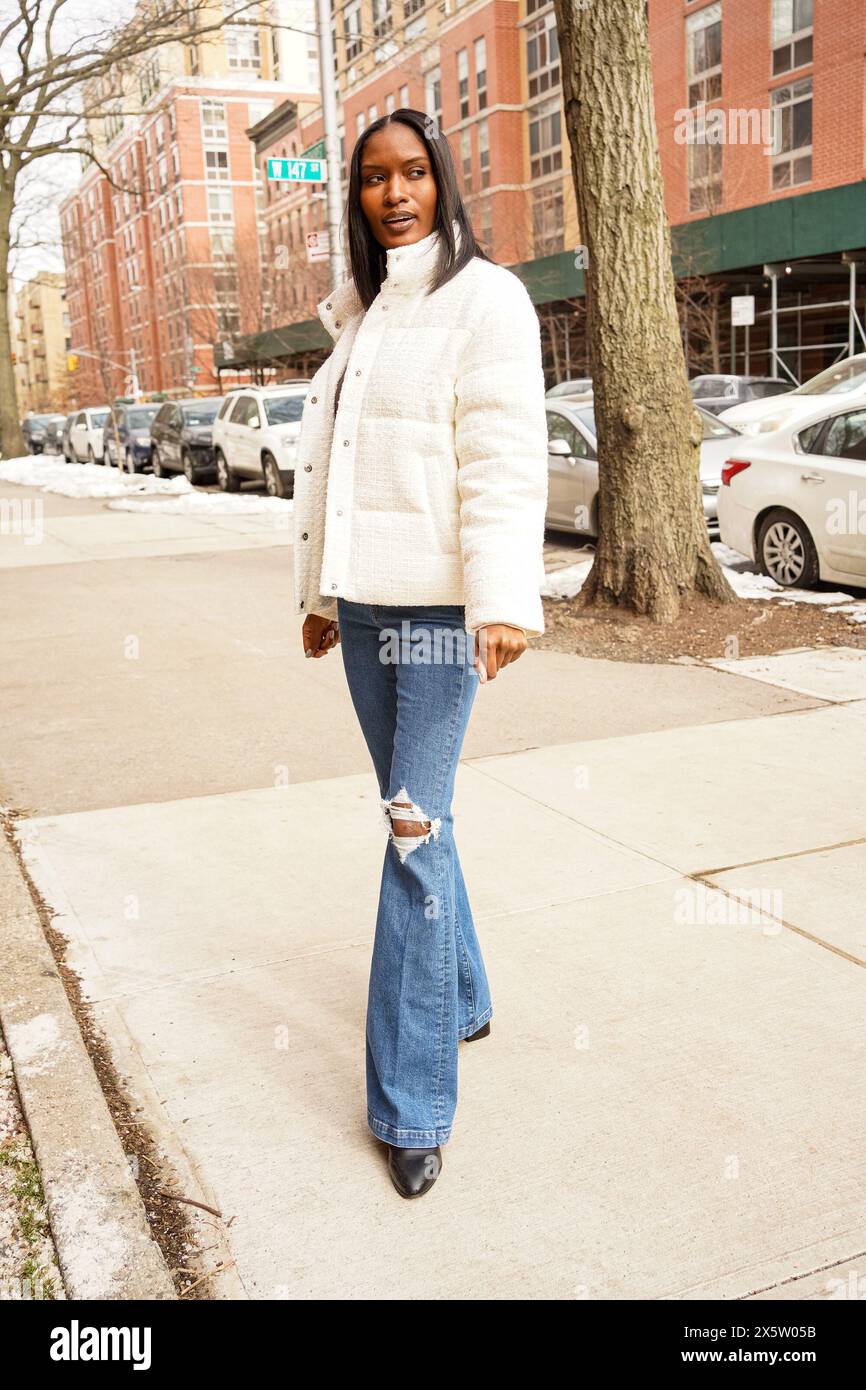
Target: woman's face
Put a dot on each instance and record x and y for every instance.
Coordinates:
(397, 181)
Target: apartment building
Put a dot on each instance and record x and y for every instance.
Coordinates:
(489, 74)
(40, 339)
(162, 251)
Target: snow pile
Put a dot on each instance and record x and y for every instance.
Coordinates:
(51, 473)
(205, 504)
(567, 582)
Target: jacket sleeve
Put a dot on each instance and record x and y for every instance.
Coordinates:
(501, 445)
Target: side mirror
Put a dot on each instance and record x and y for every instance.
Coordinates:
(559, 447)
(255, 424)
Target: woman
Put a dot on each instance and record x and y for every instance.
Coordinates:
(420, 495)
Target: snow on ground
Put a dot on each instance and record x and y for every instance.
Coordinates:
(566, 582)
(51, 473)
(205, 504)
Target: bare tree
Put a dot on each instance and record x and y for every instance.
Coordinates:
(53, 53)
(653, 548)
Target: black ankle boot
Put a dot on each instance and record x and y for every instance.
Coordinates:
(414, 1171)
(482, 1032)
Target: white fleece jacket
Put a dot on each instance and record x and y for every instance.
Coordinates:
(431, 484)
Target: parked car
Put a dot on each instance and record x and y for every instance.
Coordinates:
(182, 438)
(794, 501)
(132, 426)
(841, 385)
(33, 428)
(572, 502)
(86, 435)
(65, 443)
(578, 386)
(256, 437)
(723, 391)
(52, 443)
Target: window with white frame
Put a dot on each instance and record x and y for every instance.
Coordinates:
(404, 96)
(704, 169)
(220, 206)
(484, 151)
(545, 138)
(704, 54)
(792, 34)
(433, 93)
(548, 234)
(216, 164)
(480, 47)
(382, 18)
(463, 82)
(243, 50)
(352, 29)
(542, 55)
(213, 122)
(792, 155)
(466, 158)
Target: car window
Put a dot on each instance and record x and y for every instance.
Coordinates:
(846, 437)
(245, 411)
(808, 438)
(760, 390)
(81, 418)
(844, 376)
(98, 418)
(140, 418)
(707, 388)
(175, 419)
(203, 412)
(283, 410)
(558, 427)
(714, 428)
(226, 406)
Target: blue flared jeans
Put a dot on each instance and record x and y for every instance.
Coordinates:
(412, 682)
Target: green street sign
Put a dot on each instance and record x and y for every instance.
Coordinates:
(316, 151)
(297, 170)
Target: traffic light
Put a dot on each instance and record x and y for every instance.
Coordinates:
(72, 362)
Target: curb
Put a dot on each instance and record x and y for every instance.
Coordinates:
(104, 1246)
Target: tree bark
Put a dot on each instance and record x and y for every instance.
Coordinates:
(11, 438)
(653, 548)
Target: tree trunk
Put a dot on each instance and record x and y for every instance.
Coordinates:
(11, 438)
(653, 548)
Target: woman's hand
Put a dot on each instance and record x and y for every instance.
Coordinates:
(319, 634)
(496, 645)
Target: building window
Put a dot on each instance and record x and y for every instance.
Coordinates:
(484, 151)
(352, 29)
(220, 205)
(548, 229)
(389, 103)
(792, 34)
(704, 50)
(545, 139)
(359, 125)
(433, 94)
(463, 82)
(411, 7)
(466, 158)
(242, 48)
(213, 122)
(216, 164)
(704, 169)
(792, 157)
(542, 55)
(404, 96)
(481, 72)
(382, 19)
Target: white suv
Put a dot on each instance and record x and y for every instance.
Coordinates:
(255, 436)
(86, 435)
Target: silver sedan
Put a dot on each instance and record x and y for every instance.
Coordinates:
(572, 459)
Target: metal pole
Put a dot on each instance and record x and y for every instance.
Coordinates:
(746, 368)
(774, 323)
(852, 300)
(333, 189)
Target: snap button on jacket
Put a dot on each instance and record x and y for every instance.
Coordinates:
(426, 482)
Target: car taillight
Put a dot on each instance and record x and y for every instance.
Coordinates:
(732, 468)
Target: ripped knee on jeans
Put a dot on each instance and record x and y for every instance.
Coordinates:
(407, 823)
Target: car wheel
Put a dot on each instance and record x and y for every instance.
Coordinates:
(190, 471)
(227, 480)
(786, 551)
(273, 477)
(129, 462)
(156, 461)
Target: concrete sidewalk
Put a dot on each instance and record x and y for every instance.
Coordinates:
(668, 1105)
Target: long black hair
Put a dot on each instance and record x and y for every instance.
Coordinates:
(366, 257)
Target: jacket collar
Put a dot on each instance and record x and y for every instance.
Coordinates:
(408, 269)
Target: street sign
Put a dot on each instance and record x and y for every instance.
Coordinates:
(297, 171)
(742, 310)
(318, 246)
(316, 151)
